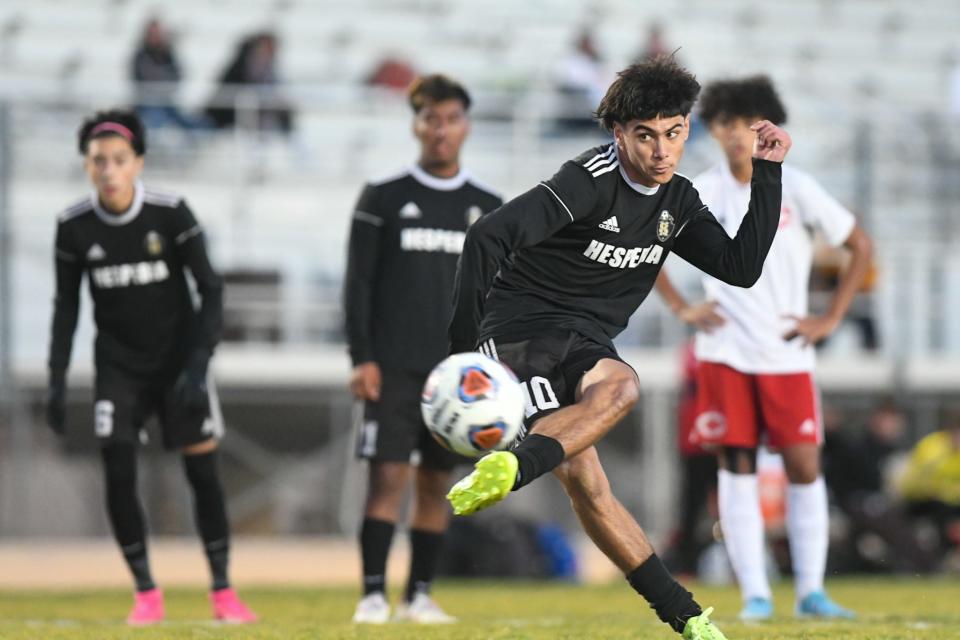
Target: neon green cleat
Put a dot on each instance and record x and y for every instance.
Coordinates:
(492, 479)
(700, 628)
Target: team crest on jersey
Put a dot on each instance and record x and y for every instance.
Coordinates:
(153, 243)
(664, 226)
(473, 214)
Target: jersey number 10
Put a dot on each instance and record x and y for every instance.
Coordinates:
(539, 395)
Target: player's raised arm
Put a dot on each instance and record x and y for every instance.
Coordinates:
(739, 260)
(66, 309)
(522, 222)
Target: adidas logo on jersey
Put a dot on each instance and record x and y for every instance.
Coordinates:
(410, 210)
(621, 257)
(610, 224)
(95, 253)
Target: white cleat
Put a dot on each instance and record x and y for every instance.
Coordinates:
(372, 609)
(423, 610)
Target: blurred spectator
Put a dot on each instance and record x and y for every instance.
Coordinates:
(698, 508)
(156, 73)
(581, 81)
(655, 44)
(931, 481)
(253, 69)
(392, 73)
(855, 465)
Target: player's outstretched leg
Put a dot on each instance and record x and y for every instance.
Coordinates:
(619, 536)
(606, 394)
(200, 465)
(126, 520)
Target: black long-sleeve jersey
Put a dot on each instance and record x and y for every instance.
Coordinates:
(405, 238)
(145, 317)
(582, 250)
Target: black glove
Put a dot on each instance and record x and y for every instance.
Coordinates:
(57, 402)
(190, 390)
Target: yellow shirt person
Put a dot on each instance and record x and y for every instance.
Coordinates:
(933, 471)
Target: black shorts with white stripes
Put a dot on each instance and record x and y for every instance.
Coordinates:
(549, 366)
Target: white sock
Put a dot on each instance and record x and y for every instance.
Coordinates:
(742, 525)
(807, 528)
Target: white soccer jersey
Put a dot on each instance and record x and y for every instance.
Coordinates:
(751, 340)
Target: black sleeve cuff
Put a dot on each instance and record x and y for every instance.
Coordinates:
(767, 171)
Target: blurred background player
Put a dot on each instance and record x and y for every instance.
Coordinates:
(756, 353)
(547, 281)
(405, 239)
(152, 348)
(931, 484)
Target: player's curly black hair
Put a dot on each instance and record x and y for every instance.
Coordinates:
(436, 88)
(752, 97)
(655, 87)
(128, 121)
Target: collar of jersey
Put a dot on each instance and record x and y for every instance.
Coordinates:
(440, 184)
(126, 216)
(636, 186)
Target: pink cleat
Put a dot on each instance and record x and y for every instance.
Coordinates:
(227, 607)
(147, 608)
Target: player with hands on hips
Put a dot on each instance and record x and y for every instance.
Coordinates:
(755, 373)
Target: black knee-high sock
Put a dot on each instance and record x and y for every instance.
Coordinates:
(673, 604)
(211, 514)
(375, 538)
(425, 547)
(536, 456)
(123, 509)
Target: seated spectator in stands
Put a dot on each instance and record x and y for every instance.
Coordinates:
(581, 79)
(392, 72)
(157, 74)
(931, 481)
(252, 75)
(856, 463)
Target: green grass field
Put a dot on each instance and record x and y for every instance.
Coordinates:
(889, 609)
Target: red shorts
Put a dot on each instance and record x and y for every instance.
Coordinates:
(735, 408)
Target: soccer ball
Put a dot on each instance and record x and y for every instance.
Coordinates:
(472, 404)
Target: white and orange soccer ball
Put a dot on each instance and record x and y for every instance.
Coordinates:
(472, 404)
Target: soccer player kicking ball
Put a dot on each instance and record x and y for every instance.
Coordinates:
(152, 346)
(405, 238)
(546, 281)
(756, 353)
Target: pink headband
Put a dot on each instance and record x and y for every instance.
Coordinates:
(113, 127)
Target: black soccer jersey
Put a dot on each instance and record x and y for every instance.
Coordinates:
(582, 250)
(145, 318)
(405, 239)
